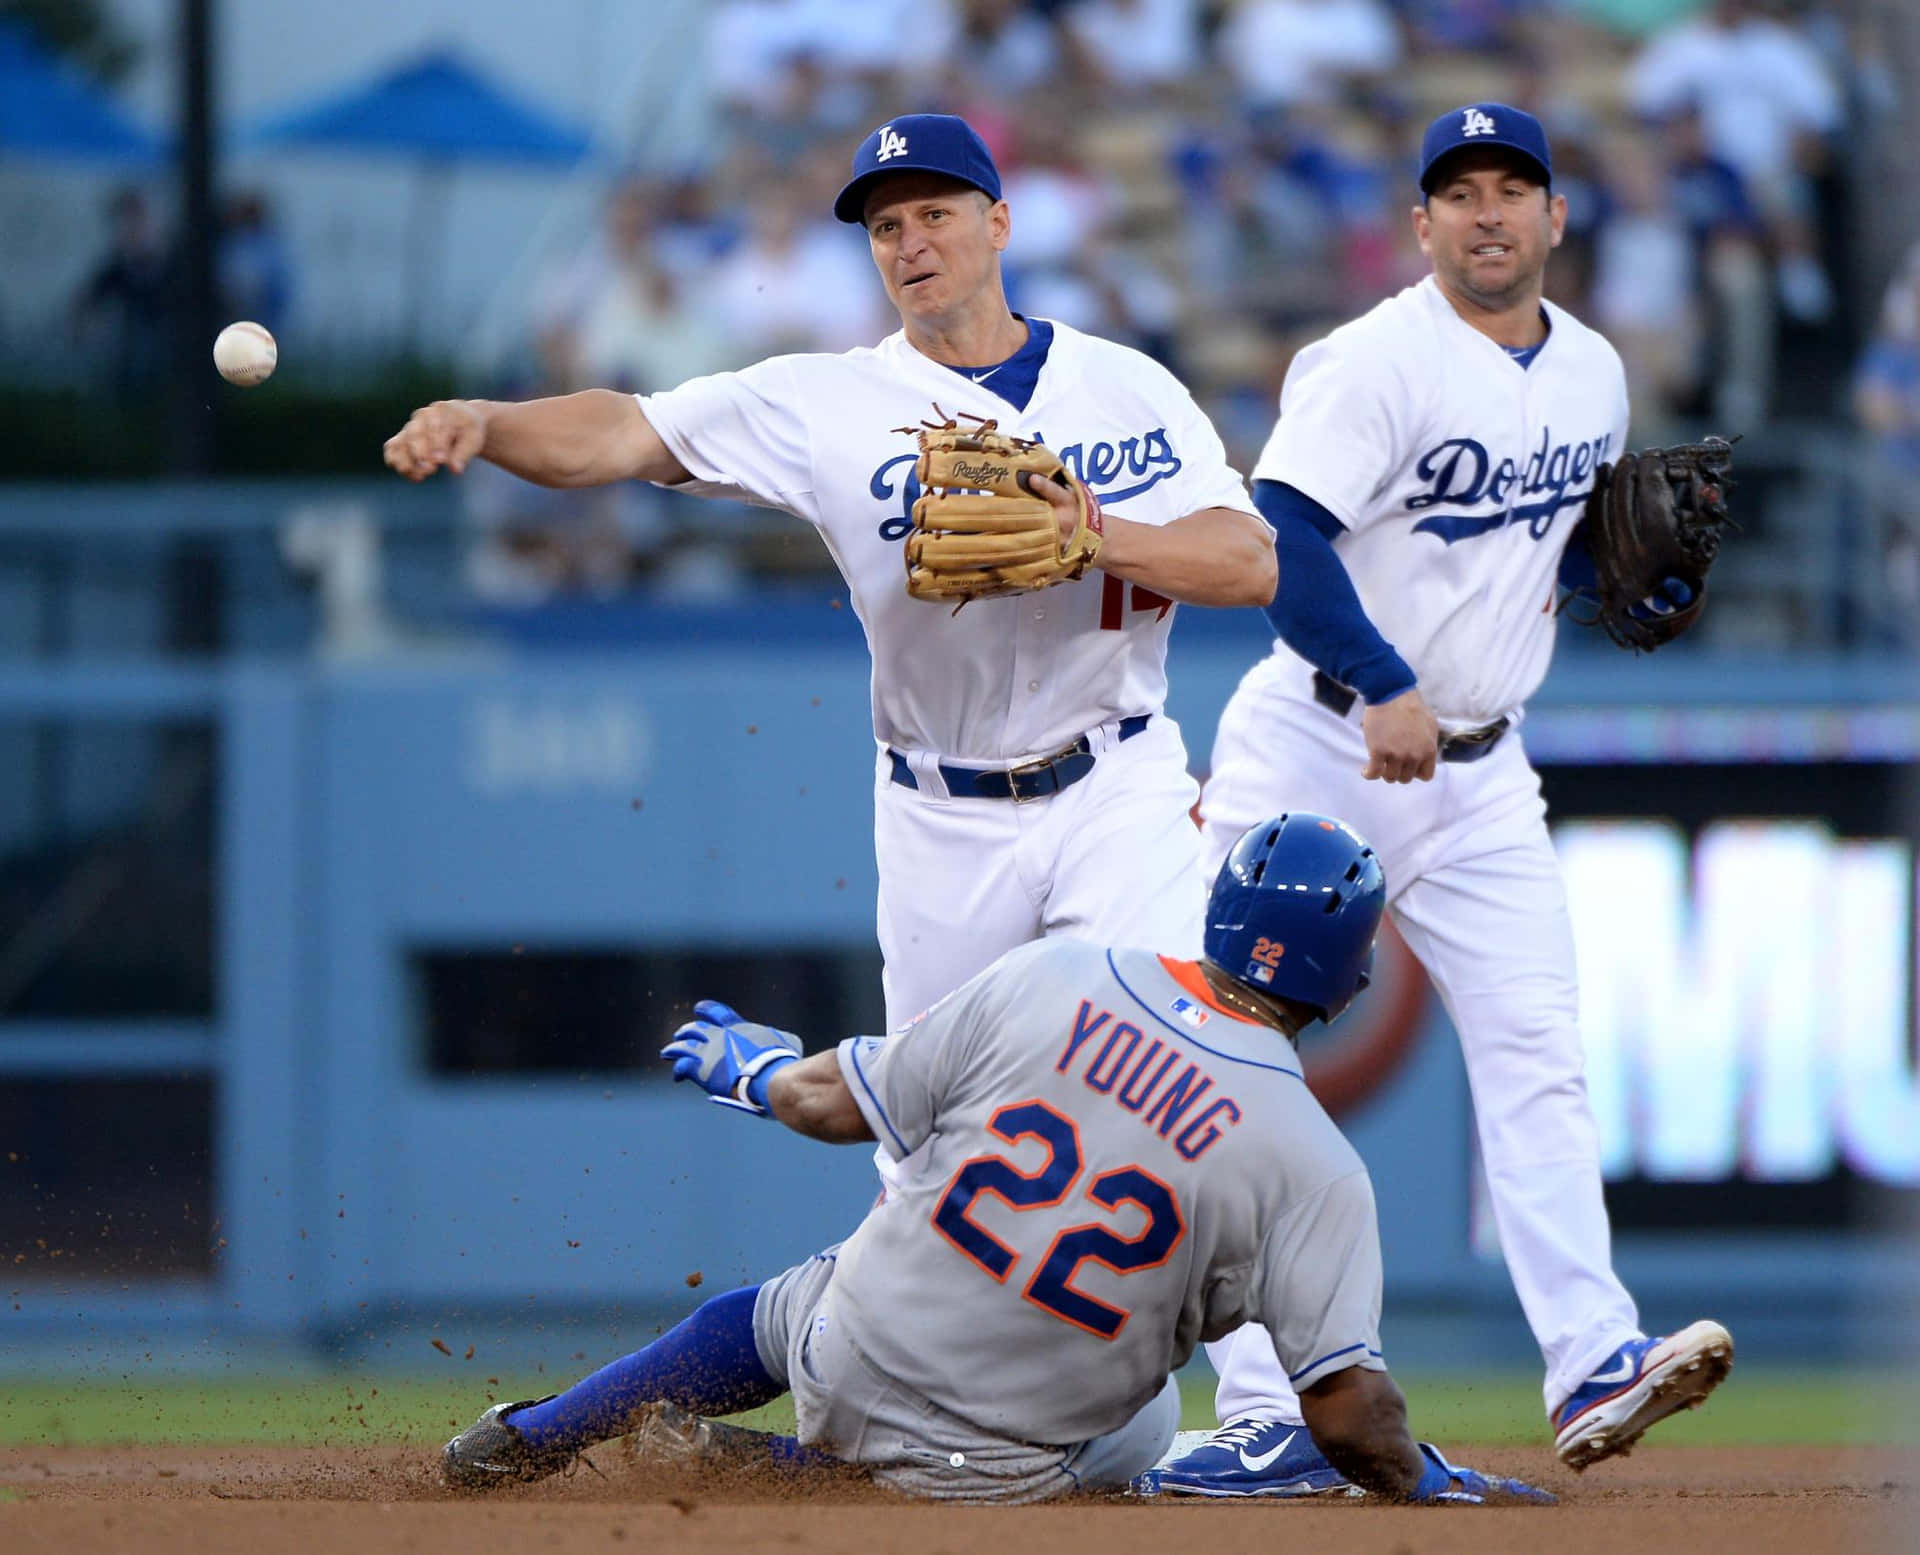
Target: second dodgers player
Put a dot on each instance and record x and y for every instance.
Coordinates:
(1027, 782)
(1426, 479)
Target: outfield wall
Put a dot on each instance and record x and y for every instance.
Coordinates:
(380, 826)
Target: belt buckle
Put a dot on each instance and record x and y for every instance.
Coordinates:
(1014, 774)
(1472, 739)
(1044, 764)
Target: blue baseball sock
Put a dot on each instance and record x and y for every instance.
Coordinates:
(708, 1364)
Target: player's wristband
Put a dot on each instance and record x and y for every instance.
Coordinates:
(753, 1089)
(1096, 520)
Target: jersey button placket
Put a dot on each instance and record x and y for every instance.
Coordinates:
(1030, 673)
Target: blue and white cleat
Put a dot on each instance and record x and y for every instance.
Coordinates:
(1249, 1458)
(1642, 1382)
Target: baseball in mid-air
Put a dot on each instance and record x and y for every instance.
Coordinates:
(245, 354)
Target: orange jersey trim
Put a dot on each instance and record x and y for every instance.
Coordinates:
(1189, 976)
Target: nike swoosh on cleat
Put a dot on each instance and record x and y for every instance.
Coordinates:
(1620, 1371)
(1265, 1460)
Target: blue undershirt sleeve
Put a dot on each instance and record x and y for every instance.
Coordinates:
(1579, 576)
(1576, 564)
(1316, 612)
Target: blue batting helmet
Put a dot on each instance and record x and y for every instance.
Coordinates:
(1294, 911)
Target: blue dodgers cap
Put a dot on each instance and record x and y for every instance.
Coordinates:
(1485, 124)
(918, 143)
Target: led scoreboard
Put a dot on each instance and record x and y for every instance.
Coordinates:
(1746, 937)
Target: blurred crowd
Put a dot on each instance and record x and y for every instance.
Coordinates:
(1213, 181)
(1886, 402)
(1216, 181)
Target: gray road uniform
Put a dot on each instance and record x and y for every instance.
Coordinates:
(1100, 1167)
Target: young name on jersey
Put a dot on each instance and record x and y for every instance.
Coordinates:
(1141, 1084)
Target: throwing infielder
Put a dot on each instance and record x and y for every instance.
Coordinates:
(1104, 1156)
(1026, 780)
(1430, 464)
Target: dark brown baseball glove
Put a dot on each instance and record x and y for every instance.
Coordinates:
(1653, 525)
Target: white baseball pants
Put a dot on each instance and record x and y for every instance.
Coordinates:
(1114, 859)
(1475, 890)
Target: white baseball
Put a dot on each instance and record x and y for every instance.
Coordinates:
(245, 354)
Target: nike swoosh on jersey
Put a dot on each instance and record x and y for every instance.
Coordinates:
(983, 377)
(1266, 1459)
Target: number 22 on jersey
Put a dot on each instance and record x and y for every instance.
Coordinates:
(1051, 1288)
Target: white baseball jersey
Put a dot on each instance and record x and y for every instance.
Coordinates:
(1100, 1166)
(1459, 475)
(1003, 679)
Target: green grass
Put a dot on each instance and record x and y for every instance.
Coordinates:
(280, 1413)
(1753, 1407)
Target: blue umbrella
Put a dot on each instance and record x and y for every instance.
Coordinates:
(48, 108)
(438, 111)
(436, 107)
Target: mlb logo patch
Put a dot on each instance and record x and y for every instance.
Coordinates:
(1191, 1013)
(1259, 971)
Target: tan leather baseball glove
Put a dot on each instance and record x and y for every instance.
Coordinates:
(977, 532)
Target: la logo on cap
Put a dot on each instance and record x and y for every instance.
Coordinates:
(1474, 123)
(892, 144)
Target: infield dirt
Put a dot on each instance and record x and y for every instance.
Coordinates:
(1688, 1501)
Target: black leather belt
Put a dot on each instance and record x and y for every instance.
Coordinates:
(1029, 780)
(1467, 745)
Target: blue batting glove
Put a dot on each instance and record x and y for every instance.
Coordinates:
(732, 1059)
(1451, 1484)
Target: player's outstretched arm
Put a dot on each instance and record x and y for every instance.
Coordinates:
(758, 1069)
(587, 439)
(812, 1098)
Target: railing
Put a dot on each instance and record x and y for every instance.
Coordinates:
(1827, 560)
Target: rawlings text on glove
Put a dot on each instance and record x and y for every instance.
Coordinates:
(978, 533)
